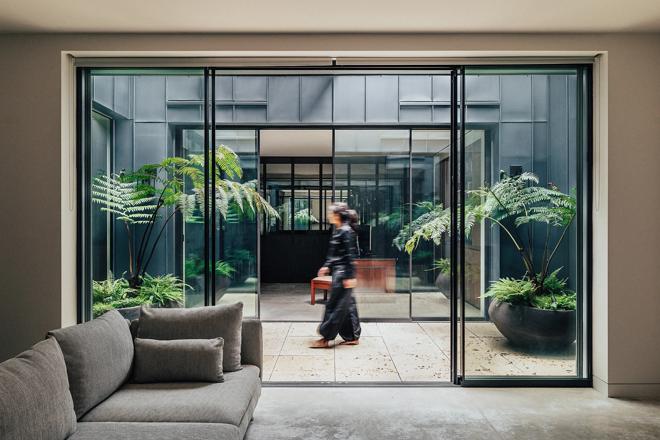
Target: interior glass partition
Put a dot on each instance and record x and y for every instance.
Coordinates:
(372, 177)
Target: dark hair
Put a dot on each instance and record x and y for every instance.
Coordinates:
(345, 214)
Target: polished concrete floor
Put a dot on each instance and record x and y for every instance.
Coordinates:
(400, 352)
(434, 413)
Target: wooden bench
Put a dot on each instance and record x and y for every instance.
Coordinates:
(324, 283)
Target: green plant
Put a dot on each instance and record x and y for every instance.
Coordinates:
(514, 204)
(112, 294)
(555, 296)
(154, 194)
(162, 290)
(194, 266)
(224, 269)
(443, 265)
(304, 217)
(431, 225)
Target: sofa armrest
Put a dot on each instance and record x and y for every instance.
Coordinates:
(252, 347)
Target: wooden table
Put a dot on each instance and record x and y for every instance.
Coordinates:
(375, 275)
(324, 283)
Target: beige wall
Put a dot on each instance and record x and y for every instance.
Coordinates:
(626, 296)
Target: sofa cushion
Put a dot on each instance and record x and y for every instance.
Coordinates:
(180, 360)
(98, 356)
(224, 321)
(227, 402)
(252, 344)
(35, 402)
(155, 431)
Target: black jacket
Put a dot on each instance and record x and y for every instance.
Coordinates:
(342, 253)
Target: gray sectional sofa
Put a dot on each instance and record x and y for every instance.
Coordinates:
(78, 384)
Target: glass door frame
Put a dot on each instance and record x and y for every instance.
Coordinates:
(457, 167)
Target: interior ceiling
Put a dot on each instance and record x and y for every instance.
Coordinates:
(288, 143)
(292, 16)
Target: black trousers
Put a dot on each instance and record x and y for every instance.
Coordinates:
(341, 315)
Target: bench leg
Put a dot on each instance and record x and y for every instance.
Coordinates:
(325, 294)
(313, 297)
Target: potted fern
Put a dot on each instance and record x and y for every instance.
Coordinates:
(537, 309)
(146, 200)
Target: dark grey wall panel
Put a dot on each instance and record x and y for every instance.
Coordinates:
(224, 88)
(349, 99)
(441, 87)
(482, 88)
(415, 88)
(482, 113)
(416, 113)
(540, 97)
(184, 113)
(224, 113)
(382, 98)
(150, 143)
(122, 96)
(250, 88)
(284, 99)
(516, 102)
(123, 145)
(150, 102)
(515, 145)
(316, 98)
(250, 113)
(442, 114)
(540, 151)
(558, 135)
(185, 88)
(103, 91)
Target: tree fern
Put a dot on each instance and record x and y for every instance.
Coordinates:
(125, 199)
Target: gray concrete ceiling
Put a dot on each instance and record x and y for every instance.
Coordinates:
(293, 16)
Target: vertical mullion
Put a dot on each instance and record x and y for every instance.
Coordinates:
(452, 234)
(332, 197)
(259, 219)
(410, 204)
(206, 189)
(214, 232)
(461, 219)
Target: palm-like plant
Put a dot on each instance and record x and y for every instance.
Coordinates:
(156, 191)
(432, 225)
(521, 201)
(514, 204)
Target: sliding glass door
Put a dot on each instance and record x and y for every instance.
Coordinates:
(523, 153)
(471, 187)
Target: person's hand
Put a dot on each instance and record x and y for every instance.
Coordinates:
(323, 271)
(350, 283)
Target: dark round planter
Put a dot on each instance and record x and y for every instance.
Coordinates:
(533, 328)
(442, 283)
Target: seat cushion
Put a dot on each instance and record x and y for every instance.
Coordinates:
(98, 356)
(35, 402)
(179, 360)
(155, 431)
(227, 402)
(224, 321)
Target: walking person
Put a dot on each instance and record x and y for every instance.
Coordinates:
(341, 315)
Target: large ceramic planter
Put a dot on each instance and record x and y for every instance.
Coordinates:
(533, 328)
(442, 282)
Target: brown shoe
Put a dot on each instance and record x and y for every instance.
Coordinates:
(353, 342)
(320, 343)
